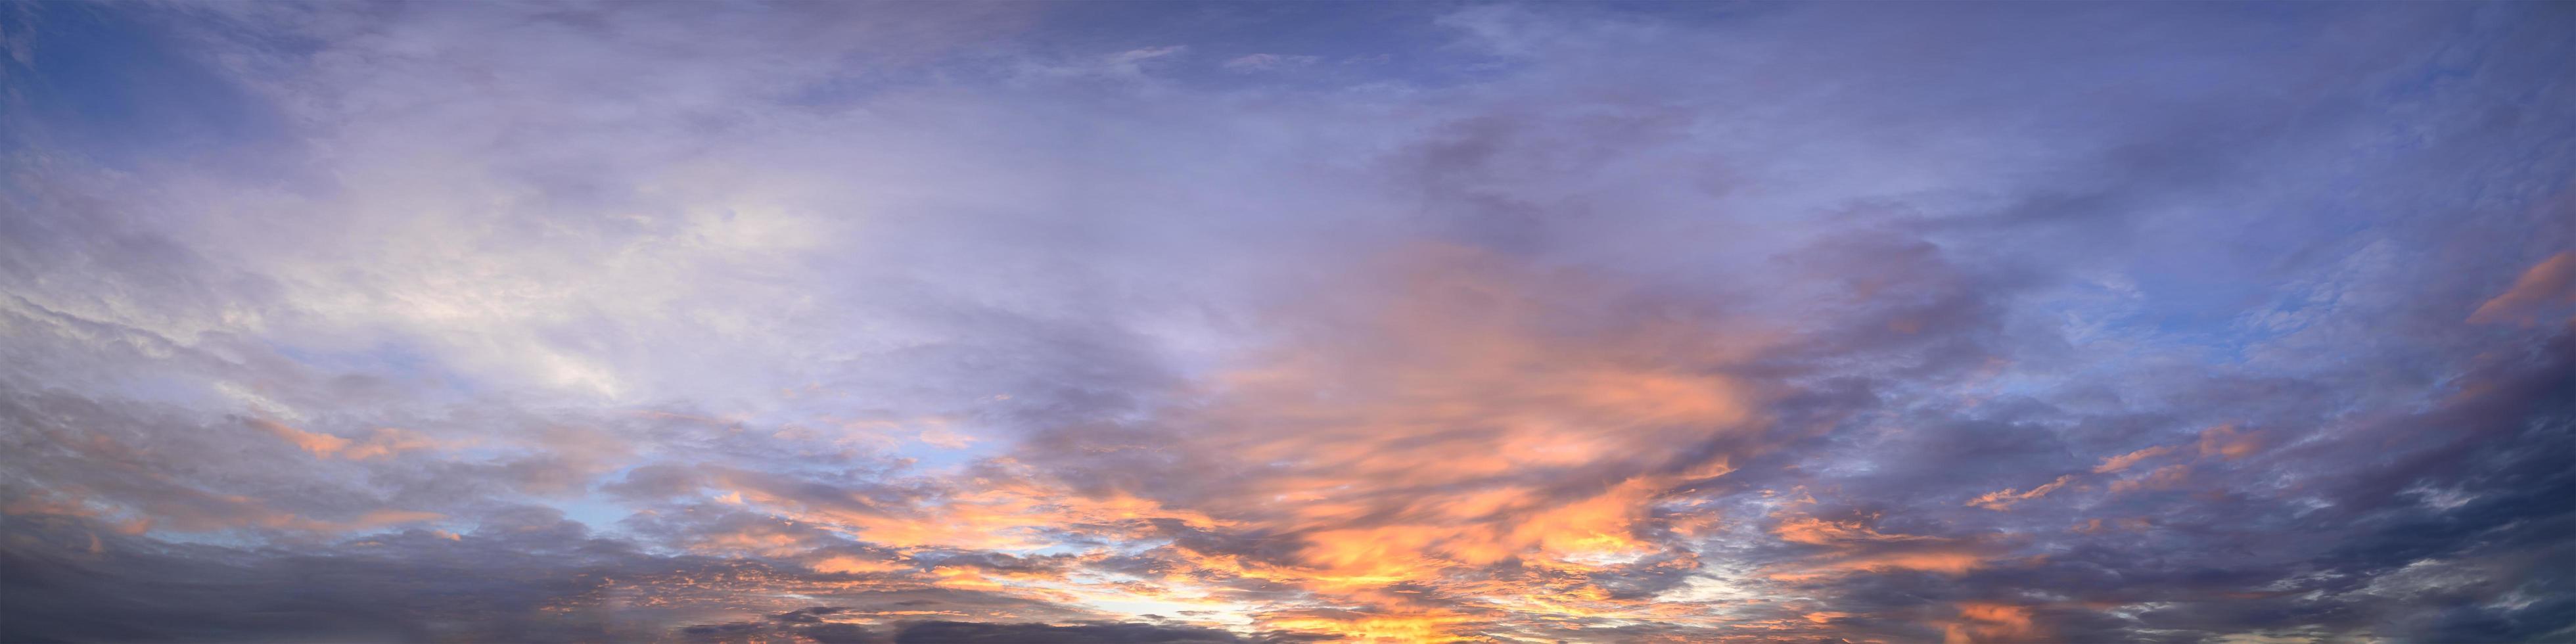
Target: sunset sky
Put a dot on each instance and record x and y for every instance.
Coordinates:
(1287, 322)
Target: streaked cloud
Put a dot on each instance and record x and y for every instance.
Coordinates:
(2552, 282)
(1286, 323)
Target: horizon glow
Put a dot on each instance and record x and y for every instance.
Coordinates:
(1287, 322)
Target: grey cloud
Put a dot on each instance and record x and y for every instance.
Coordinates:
(618, 261)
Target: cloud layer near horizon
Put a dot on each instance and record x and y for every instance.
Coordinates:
(1292, 322)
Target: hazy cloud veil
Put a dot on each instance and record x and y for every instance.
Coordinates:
(1161, 322)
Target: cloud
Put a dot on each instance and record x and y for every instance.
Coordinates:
(2004, 499)
(993, 632)
(2162, 478)
(1267, 62)
(2123, 461)
(2227, 442)
(1989, 622)
(2552, 282)
(1517, 322)
(382, 442)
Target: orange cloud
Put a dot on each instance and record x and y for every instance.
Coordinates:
(1810, 530)
(1470, 428)
(1948, 562)
(1005, 514)
(1853, 546)
(384, 441)
(2004, 499)
(845, 564)
(1428, 626)
(2123, 461)
(1983, 622)
(2165, 477)
(157, 501)
(2225, 441)
(43, 502)
(2097, 526)
(2012, 617)
(1473, 431)
(2551, 282)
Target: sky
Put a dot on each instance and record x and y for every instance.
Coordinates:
(2238, 323)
